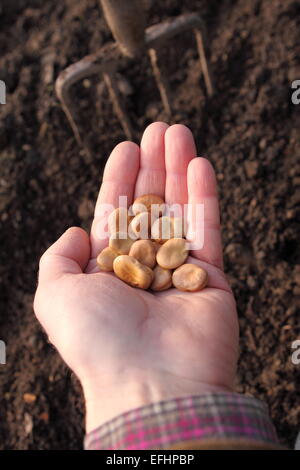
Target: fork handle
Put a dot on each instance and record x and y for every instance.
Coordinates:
(126, 19)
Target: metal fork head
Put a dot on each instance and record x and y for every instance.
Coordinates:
(109, 58)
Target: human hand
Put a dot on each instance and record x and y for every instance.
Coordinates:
(130, 347)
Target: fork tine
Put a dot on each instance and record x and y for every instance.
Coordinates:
(207, 74)
(114, 94)
(161, 81)
(63, 93)
(63, 84)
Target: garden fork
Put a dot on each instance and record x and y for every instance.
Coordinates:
(126, 19)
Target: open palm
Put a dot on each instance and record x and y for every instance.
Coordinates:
(127, 346)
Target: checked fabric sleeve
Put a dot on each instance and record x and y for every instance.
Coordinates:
(211, 420)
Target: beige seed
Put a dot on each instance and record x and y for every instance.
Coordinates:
(144, 251)
(131, 271)
(190, 278)
(121, 243)
(166, 227)
(106, 258)
(139, 226)
(172, 253)
(145, 203)
(118, 220)
(162, 279)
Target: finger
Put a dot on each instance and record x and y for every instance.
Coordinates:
(68, 255)
(202, 188)
(180, 149)
(152, 174)
(119, 179)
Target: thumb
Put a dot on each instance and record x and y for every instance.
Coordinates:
(68, 255)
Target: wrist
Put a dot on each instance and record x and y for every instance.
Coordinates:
(104, 403)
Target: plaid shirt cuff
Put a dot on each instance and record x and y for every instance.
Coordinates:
(208, 416)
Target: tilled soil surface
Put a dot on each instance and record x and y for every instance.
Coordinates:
(250, 132)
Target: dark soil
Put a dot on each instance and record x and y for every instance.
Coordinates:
(250, 132)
